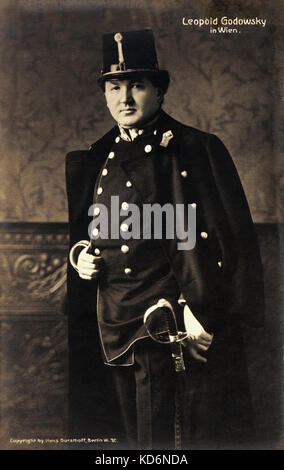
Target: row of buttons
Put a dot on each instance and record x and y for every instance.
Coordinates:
(128, 184)
(125, 206)
(124, 227)
(203, 235)
(124, 249)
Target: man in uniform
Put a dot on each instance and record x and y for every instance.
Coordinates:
(119, 375)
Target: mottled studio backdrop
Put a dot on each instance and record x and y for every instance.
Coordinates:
(50, 54)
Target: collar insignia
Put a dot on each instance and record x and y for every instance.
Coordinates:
(166, 137)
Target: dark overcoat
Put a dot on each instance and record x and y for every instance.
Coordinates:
(222, 298)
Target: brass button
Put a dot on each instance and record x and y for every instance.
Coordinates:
(128, 270)
(124, 248)
(99, 190)
(125, 206)
(95, 232)
(220, 264)
(97, 252)
(104, 172)
(124, 227)
(111, 155)
(97, 210)
(193, 205)
(148, 148)
(204, 235)
(140, 132)
(117, 139)
(184, 173)
(118, 37)
(128, 184)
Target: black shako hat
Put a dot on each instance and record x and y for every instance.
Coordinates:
(133, 52)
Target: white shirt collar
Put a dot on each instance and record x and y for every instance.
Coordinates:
(131, 134)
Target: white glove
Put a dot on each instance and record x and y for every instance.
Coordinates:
(198, 339)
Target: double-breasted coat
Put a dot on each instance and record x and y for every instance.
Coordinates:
(220, 278)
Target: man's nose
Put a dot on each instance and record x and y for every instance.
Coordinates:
(126, 95)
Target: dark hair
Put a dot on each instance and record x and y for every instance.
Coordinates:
(159, 79)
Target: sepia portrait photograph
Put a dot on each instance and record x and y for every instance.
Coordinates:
(141, 231)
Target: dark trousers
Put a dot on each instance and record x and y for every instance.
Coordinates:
(146, 395)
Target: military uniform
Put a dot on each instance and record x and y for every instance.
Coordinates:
(132, 282)
(220, 279)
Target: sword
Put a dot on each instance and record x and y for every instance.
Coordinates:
(161, 325)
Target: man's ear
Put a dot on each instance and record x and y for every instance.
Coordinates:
(106, 99)
(160, 95)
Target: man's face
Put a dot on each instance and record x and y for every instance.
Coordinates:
(132, 103)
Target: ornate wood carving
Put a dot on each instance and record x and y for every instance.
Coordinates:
(32, 267)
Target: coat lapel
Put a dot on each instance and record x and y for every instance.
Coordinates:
(82, 168)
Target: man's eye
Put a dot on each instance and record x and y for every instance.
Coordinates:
(116, 87)
(138, 86)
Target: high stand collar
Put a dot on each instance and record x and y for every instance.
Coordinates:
(132, 133)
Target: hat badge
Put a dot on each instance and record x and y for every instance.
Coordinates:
(118, 39)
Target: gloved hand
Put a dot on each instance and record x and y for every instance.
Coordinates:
(198, 339)
(87, 265)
